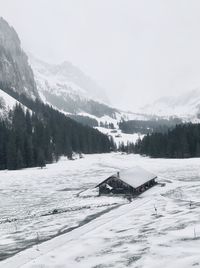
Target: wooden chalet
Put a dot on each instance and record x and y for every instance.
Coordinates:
(131, 181)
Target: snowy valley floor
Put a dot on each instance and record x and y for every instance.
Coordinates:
(39, 204)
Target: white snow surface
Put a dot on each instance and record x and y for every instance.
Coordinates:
(7, 102)
(161, 228)
(136, 176)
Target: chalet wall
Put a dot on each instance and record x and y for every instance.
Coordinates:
(117, 187)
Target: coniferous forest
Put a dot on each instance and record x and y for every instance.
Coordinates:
(29, 139)
(148, 126)
(40, 134)
(181, 142)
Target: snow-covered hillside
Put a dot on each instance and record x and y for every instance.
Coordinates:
(120, 137)
(116, 133)
(186, 106)
(69, 90)
(6, 103)
(65, 80)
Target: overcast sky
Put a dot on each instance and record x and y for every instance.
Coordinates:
(138, 50)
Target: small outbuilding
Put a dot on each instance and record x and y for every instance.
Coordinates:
(131, 181)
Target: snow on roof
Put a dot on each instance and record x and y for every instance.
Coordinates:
(136, 176)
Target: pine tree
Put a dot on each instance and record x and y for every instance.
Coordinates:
(33, 139)
(11, 152)
(19, 160)
(41, 159)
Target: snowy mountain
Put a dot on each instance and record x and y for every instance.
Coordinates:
(15, 71)
(186, 106)
(63, 86)
(67, 78)
(67, 88)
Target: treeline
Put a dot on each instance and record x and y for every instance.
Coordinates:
(181, 142)
(42, 136)
(148, 126)
(128, 148)
(107, 125)
(77, 104)
(84, 120)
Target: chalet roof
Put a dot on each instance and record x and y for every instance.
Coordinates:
(135, 176)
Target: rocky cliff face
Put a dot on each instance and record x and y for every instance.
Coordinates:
(15, 71)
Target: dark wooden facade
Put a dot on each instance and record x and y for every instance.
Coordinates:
(116, 185)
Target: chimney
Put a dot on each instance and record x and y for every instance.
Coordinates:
(118, 174)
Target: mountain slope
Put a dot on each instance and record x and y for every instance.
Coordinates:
(15, 71)
(67, 88)
(63, 86)
(186, 105)
(6, 101)
(68, 77)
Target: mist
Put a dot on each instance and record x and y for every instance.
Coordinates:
(137, 51)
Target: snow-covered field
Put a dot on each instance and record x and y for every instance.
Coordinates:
(161, 228)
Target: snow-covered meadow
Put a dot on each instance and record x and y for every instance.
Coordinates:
(160, 228)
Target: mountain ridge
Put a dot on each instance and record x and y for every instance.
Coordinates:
(68, 76)
(186, 105)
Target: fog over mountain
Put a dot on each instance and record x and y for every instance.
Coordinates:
(69, 89)
(63, 86)
(185, 105)
(138, 51)
(68, 77)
